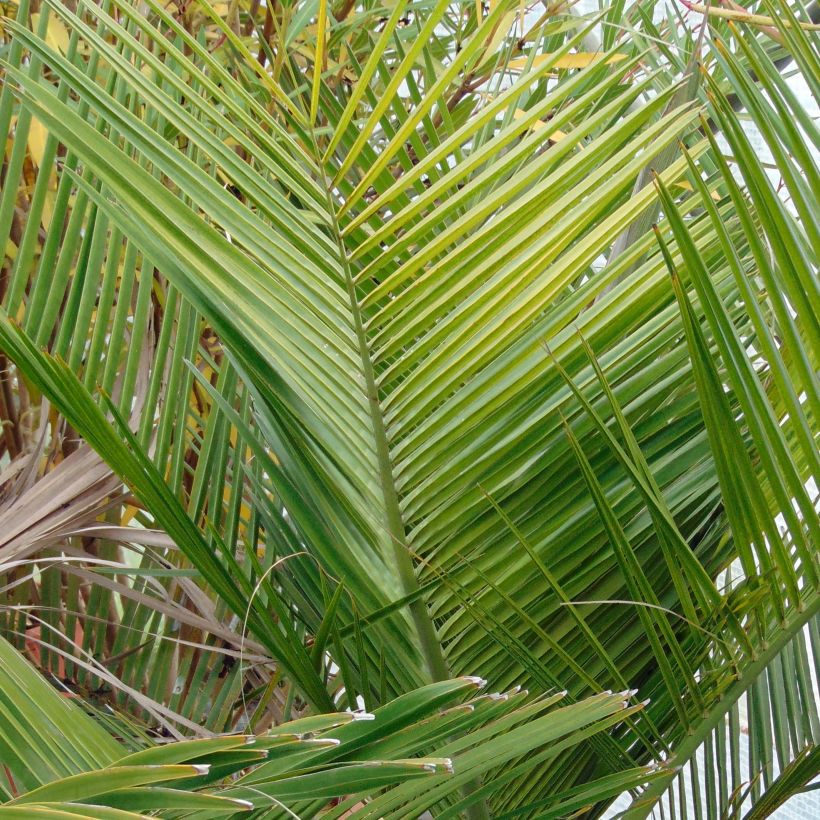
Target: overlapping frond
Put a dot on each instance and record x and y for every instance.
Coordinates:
(449, 405)
(417, 750)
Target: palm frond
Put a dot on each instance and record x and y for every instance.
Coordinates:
(330, 316)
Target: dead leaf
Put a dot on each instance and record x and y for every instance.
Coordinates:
(580, 59)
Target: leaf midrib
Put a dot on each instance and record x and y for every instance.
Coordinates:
(429, 644)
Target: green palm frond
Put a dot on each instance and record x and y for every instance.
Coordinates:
(374, 331)
(58, 758)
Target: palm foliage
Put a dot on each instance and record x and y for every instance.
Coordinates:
(358, 348)
(67, 763)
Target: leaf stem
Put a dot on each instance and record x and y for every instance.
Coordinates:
(429, 644)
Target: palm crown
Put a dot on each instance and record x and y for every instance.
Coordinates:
(406, 343)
